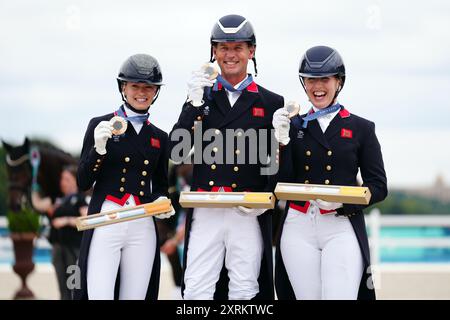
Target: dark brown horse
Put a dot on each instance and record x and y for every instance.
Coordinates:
(20, 171)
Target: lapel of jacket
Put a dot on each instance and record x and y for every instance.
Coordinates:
(316, 132)
(342, 118)
(139, 141)
(221, 101)
(243, 103)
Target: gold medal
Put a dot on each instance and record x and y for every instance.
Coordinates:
(210, 69)
(293, 108)
(119, 125)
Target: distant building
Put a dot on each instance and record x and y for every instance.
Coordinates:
(439, 190)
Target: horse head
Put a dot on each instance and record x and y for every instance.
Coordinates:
(18, 169)
(23, 171)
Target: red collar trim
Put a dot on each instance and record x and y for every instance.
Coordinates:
(252, 87)
(344, 113)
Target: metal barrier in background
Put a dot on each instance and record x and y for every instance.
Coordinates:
(375, 221)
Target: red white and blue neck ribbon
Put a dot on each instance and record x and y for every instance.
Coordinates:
(122, 113)
(228, 85)
(320, 113)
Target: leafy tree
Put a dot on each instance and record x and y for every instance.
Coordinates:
(3, 182)
(399, 202)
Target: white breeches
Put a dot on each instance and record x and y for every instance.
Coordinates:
(131, 245)
(322, 256)
(218, 235)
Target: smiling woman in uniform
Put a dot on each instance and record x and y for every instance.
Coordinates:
(323, 251)
(127, 169)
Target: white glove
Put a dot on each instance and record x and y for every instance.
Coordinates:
(102, 132)
(253, 212)
(325, 205)
(199, 80)
(164, 215)
(281, 124)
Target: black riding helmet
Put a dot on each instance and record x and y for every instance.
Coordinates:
(140, 68)
(233, 28)
(322, 61)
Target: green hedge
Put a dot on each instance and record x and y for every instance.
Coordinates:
(26, 220)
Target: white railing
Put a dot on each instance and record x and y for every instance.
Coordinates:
(375, 221)
(3, 222)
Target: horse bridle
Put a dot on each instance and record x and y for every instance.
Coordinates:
(14, 164)
(17, 162)
(34, 158)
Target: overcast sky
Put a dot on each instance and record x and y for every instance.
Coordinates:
(59, 60)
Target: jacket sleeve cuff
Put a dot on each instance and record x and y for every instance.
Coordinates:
(349, 209)
(190, 114)
(95, 160)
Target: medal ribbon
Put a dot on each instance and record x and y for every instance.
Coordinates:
(320, 113)
(229, 87)
(121, 113)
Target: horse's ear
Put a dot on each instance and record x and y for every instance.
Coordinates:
(7, 146)
(26, 143)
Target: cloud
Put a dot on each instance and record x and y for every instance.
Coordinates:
(414, 157)
(59, 61)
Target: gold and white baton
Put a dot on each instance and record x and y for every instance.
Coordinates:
(125, 214)
(306, 192)
(201, 199)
